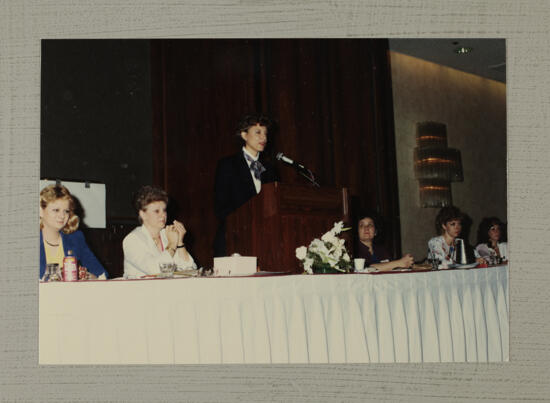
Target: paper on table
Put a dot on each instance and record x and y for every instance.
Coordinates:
(365, 269)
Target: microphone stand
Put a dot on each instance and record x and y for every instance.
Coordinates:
(310, 178)
(300, 168)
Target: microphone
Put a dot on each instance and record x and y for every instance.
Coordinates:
(285, 159)
(302, 170)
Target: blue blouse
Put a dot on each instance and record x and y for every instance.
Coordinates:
(75, 242)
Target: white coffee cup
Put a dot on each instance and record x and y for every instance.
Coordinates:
(359, 264)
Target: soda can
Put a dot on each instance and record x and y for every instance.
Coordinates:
(70, 269)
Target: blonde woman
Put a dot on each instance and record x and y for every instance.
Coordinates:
(59, 232)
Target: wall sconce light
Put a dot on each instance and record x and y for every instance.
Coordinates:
(435, 165)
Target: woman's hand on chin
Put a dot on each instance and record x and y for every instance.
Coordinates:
(180, 228)
(172, 235)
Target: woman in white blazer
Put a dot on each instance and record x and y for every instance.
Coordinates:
(154, 242)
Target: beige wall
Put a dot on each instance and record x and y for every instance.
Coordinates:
(474, 110)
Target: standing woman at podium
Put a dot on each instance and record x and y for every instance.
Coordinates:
(239, 177)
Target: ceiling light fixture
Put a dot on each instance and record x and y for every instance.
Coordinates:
(462, 50)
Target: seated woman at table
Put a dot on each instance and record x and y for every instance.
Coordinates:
(59, 233)
(375, 255)
(154, 242)
(240, 176)
(448, 224)
(489, 238)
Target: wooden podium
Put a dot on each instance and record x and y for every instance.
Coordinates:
(281, 218)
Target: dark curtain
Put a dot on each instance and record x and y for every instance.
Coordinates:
(331, 99)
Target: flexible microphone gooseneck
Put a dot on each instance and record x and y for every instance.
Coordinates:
(302, 170)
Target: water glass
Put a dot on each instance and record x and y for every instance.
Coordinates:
(495, 260)
(52, 272)
(46, 276)
(433, 261)
(57, 275)
(167, 269)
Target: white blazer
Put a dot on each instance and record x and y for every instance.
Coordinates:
(142, 257)
(485, 250)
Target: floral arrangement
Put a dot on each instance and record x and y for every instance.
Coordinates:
(329, 251)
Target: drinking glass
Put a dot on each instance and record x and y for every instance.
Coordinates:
(167, 269)
(46, 276)
(433, 261)
(52, 272)
(495, 259)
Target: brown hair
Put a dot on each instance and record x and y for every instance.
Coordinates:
(446, 214)
(147, 195)
(52, 193)
(483, 230)
(252, 120)
(377, 221)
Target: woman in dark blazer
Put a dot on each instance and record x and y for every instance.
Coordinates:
(375, 254)
(239, 177)
(59, 235)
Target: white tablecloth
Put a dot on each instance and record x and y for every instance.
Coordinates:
(454, 315)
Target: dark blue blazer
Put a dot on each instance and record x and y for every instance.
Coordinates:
(233, 187)
(379, 253)
(81, 251)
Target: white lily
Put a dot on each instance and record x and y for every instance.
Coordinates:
(301, 252)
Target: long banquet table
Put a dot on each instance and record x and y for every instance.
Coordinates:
(434, 316)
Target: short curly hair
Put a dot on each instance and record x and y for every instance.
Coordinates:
(52, 193)
(147, 195)
(446, 214)
(484, 226)
(252, 120)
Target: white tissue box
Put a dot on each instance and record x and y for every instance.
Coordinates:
(235, 265)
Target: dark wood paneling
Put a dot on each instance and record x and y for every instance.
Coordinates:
(330, 97)
(106, 244)
(281, 218)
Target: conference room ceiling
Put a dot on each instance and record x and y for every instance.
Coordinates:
(486, 58)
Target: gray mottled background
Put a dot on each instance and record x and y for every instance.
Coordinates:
(525, 25)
